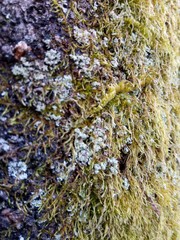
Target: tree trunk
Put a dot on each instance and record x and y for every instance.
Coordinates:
(89, 120)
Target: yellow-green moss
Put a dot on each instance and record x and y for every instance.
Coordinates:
(146, 103)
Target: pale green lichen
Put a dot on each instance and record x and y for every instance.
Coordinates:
(52, 57)
(17, 170)
(84, 36)
(4, 146)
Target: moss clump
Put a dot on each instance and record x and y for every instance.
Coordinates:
(136, 48)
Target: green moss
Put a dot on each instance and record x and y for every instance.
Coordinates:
(144, 101)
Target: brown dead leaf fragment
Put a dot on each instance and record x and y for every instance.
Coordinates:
(21, 49)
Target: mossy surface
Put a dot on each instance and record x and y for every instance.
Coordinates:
(122, 107)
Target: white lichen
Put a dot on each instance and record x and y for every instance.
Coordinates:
(36, 200)
(115, 62)
(4, 93)
(20, 70)
(40, 106)
(129, 141)
(125, 184)
(85, 64)
(52, 57)
(115, 41)
(83, 36)
(21, 238)
(16, 139)
(82, 61)
(113, 15)
(65, 86)
(83, 153)
(62, 169)
(80, 134)
(4, 145)
(64, 5)
(17, 170)
(134, 37)
(90, 140)
(105, 42)
(99, 144)
(37, 124)
(96, 64)
(113, 165)
(3, 119)
(47, 42)
(100, 166)
(95, 6)
(42, 88)
(95, 85)
(36, 203)
(125, 150)
(54, 117)
(57, 237)
(39, 76)
(98, 137)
